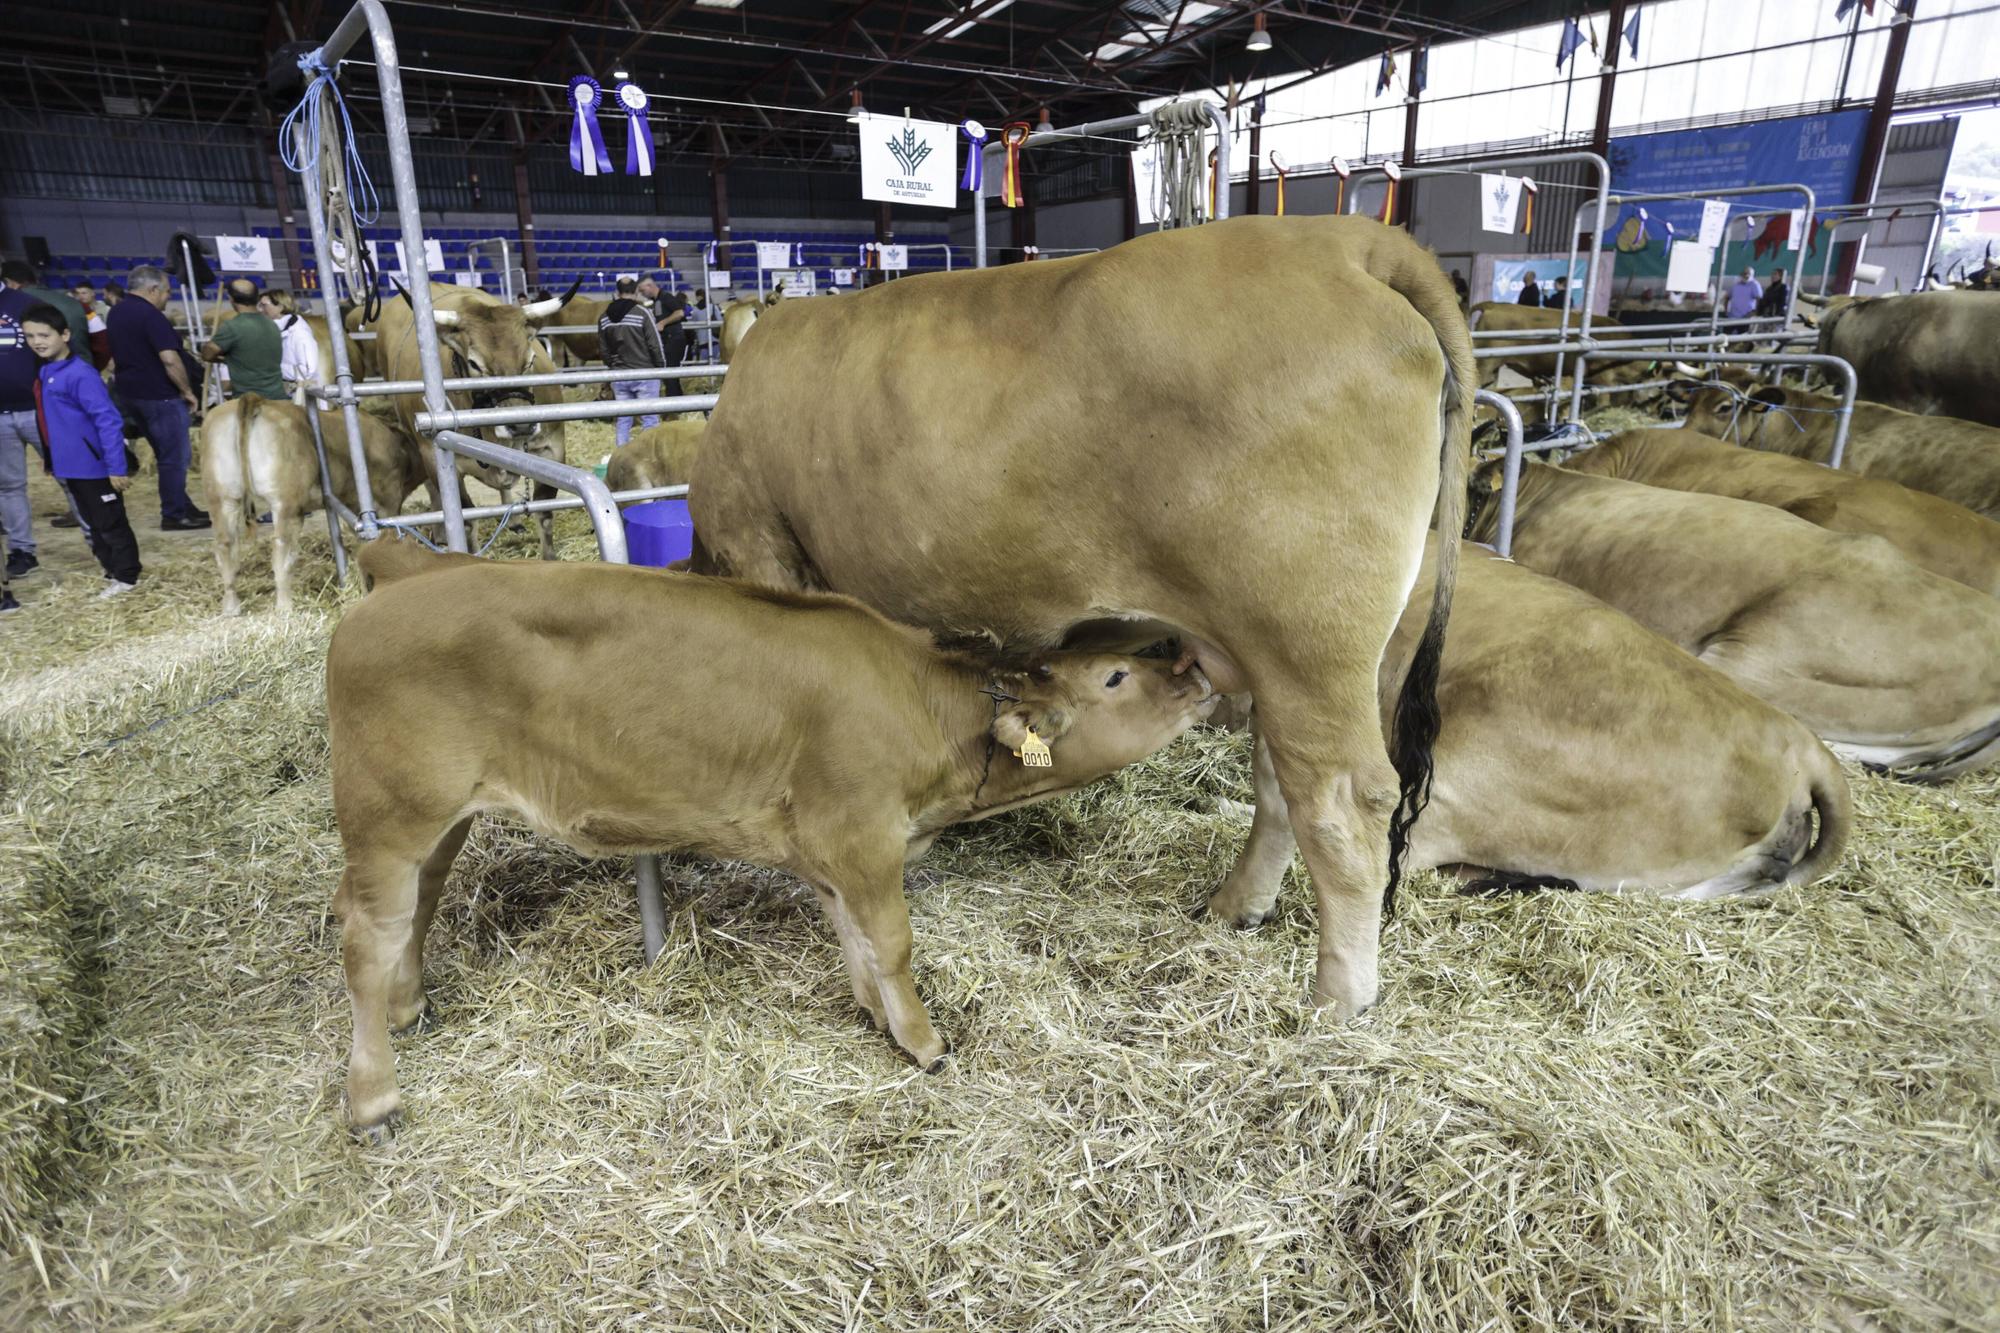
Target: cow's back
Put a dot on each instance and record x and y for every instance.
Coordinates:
(1926, 352)
(1073, 431)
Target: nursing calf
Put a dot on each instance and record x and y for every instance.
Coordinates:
(1934, 533)
(1888, 663)
(254, 450)
(661, 455)
(798, 731)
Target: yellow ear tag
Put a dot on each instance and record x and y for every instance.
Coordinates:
(1034, 752)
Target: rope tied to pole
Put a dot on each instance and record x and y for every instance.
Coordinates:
(346, 192)
(1178, 135)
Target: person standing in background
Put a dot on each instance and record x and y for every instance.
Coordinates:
(151, 378)
(84, 445)
(299, 365)
(250, 345)
(19, 432)
(1743, 297)
(1531, 291)
(1559, 298)
(630, 341)
(19, 275)
(669, 317)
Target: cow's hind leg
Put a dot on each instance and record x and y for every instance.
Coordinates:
(409, 1006)
(379, 895)
(284, 552)
(1340, 789)
(228, 549)
(1249, 897)
(546, 520)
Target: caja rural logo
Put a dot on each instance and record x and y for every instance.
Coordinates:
(242, 249)
(909, 151)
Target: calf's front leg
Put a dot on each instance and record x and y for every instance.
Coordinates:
(871, 898)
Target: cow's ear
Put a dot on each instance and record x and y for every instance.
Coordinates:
(1768, 397)
(1014, 725)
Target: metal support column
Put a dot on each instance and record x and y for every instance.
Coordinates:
(1869, 167)
(524, 218)
(718, 199)
(1253, 183)
(1406, 196)
(1607, 82)
(281, 196)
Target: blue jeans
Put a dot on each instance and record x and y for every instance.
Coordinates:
(18, 434)
(624, 389)
(167, 431)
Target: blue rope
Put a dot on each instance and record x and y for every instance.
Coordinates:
(366, 203)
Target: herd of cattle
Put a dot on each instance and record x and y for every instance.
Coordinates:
(984, 547)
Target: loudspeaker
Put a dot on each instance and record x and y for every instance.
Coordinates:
(37, 248)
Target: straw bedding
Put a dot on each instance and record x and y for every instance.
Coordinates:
(1568, 1110)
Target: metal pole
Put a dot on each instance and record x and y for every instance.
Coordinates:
(333, 505)
(1869, 168)
(1510, 470)
(343, 371)
(652, 906)
(1842, 418)
(430, 518)
(378, 388)
(478, 417)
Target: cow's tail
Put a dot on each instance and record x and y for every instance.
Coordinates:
(389, 560)
(1417, 278)
(225, 453)
(1835, 808)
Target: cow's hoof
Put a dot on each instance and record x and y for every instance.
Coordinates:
(1235, 914)
(937, 1066)
(232, 609)
(381, 1133)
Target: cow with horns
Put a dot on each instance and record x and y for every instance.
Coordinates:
(479, 334)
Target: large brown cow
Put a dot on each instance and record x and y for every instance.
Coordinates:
(739, 316)
(1929, 352)
(480, 334)
(1031, 451)
(1580, 747)
(1541, 367)
(1936, 534)
(578, 348)
(1890, 664)
(263, 451)
(806, 733)
(1943, 456)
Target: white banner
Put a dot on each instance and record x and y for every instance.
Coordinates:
(774, 254)
(1688, 265)
(466, 279)
(795, 282)
(433, 253)
(1714, 219)
(895, 258)
(1798, 226)
(1499, 202)
(843, 277)
(718, 277)
(1146, 184)
(243, 254)
(909, 161)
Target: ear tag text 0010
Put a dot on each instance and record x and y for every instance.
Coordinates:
(1034, 752)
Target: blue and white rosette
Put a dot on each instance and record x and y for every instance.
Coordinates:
(798, 255)
(975, 157)
(586, 142)
(709, 254)
(639, 133)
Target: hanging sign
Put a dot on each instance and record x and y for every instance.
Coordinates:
(906, 161)
(774, 254)
(248, 254)
(718, 277)
(1714, 219)
(638, 133)
(795, 282)
(1146, 183)
(466, 279)
(433, 257)
(1499, 202)
(586, 141)
(893, 258)
(1012, 137)
(843, 277)
(1797, 228)
(1688, 266)
(975, 157)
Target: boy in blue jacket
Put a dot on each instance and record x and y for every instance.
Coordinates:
(83, 443)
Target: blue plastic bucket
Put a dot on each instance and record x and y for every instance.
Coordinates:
(659, 532)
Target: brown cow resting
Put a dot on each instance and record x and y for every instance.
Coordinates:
(254, 450)
(1942, 456)
(1035, 450)
(1580, 748)
(1891, 665)
(798, 731)
(661, 455)
(1921, 351)
(1540, 367)
(1935, 534)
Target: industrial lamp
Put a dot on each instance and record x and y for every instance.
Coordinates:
(857, 111)
(1259, 39)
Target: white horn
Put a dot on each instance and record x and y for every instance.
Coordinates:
(1683, 368)
(536, 311)
(445, 319)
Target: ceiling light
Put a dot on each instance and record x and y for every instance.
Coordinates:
(857, 111)
(718, 4)
(1259, 39)
(1043, 126)
(620, 74)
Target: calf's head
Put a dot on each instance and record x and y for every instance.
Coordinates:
(1094, 712)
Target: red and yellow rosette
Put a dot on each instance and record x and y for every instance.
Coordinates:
(1013, 136)
(1528, 189)
(1341, 172)
(1278, 166)
(1394, 174)
(1212, 181)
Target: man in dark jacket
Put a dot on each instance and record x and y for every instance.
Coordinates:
(1531, 291)
(153, 381)
(1775, 297)
(630, 341)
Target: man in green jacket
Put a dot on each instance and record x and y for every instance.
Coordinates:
(250, 345)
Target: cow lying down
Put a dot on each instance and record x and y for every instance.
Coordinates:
(1890, 664)
(661, 455)
(798, 731)
(259, 454)
(1580, 748)
(1943, 456)
(1936, 534)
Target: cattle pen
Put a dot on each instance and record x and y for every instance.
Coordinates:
(647, 1099)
